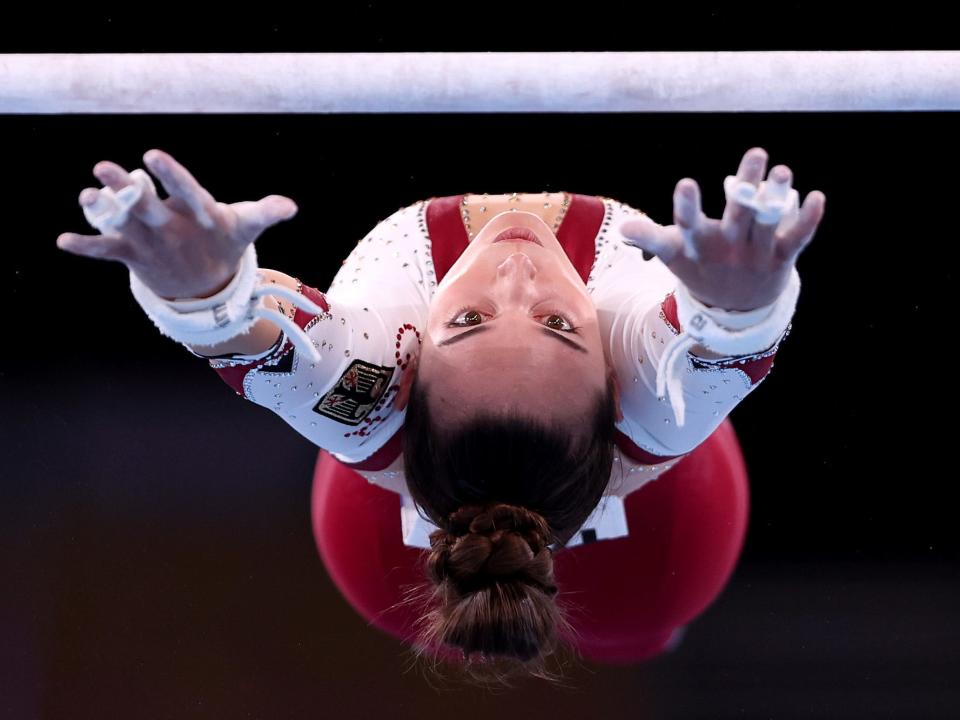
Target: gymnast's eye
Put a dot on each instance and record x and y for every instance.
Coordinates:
(555, 320)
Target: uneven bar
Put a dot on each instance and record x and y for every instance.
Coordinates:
(478, 82)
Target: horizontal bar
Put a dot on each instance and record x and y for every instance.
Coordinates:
(478, 82)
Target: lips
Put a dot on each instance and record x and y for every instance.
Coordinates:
(518, 233)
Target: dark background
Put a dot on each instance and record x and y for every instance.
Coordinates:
(157, 559)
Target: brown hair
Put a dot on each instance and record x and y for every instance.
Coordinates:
(506, 491)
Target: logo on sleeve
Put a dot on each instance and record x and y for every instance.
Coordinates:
(356, 393)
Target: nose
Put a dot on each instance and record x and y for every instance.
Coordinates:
(518, 265)
(515, 275)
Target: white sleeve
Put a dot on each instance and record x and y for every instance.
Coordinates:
(329, 401)
(638, 321)
(711, 387)
(373, 315)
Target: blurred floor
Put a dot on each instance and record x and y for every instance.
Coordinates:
(203, 623)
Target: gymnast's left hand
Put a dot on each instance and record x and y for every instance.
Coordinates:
(734, 263)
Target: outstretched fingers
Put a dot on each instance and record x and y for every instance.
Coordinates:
(650, 237)
(689, 218)
(178, 182)
(255, 216)
(762, 235)
(149, 209)
(737, 218)
(796, 237)
(106, 246)
(102, 247)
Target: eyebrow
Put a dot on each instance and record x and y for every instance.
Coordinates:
(547, 331)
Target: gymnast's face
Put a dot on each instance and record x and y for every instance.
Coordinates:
(512, 326)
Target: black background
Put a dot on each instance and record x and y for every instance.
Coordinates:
(157, 556)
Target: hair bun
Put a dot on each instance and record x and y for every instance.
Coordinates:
(501, 517)
(494, 542)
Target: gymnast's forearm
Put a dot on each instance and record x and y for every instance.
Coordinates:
(264, 333)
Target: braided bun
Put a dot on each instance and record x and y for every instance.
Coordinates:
(493, 569)
(498, 543)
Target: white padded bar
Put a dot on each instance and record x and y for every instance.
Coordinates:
(785, 81)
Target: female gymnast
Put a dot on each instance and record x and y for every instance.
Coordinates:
(510, 372)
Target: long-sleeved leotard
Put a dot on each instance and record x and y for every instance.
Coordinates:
(376, 309)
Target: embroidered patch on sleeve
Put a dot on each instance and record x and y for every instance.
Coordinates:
(356, 393)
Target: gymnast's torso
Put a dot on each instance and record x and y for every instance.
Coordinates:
(377, 306)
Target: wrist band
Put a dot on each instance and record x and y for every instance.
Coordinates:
(230, 312)
(723, 331)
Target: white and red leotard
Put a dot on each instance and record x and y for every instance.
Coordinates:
(376, 311)
(632, 597)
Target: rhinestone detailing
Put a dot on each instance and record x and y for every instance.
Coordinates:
(533, 200)
(632, 466)
(601, 258)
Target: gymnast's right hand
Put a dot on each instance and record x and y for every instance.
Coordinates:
(186, 246)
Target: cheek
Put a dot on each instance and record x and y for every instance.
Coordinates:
(461, 290)
(458, 278)
(461, 267)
